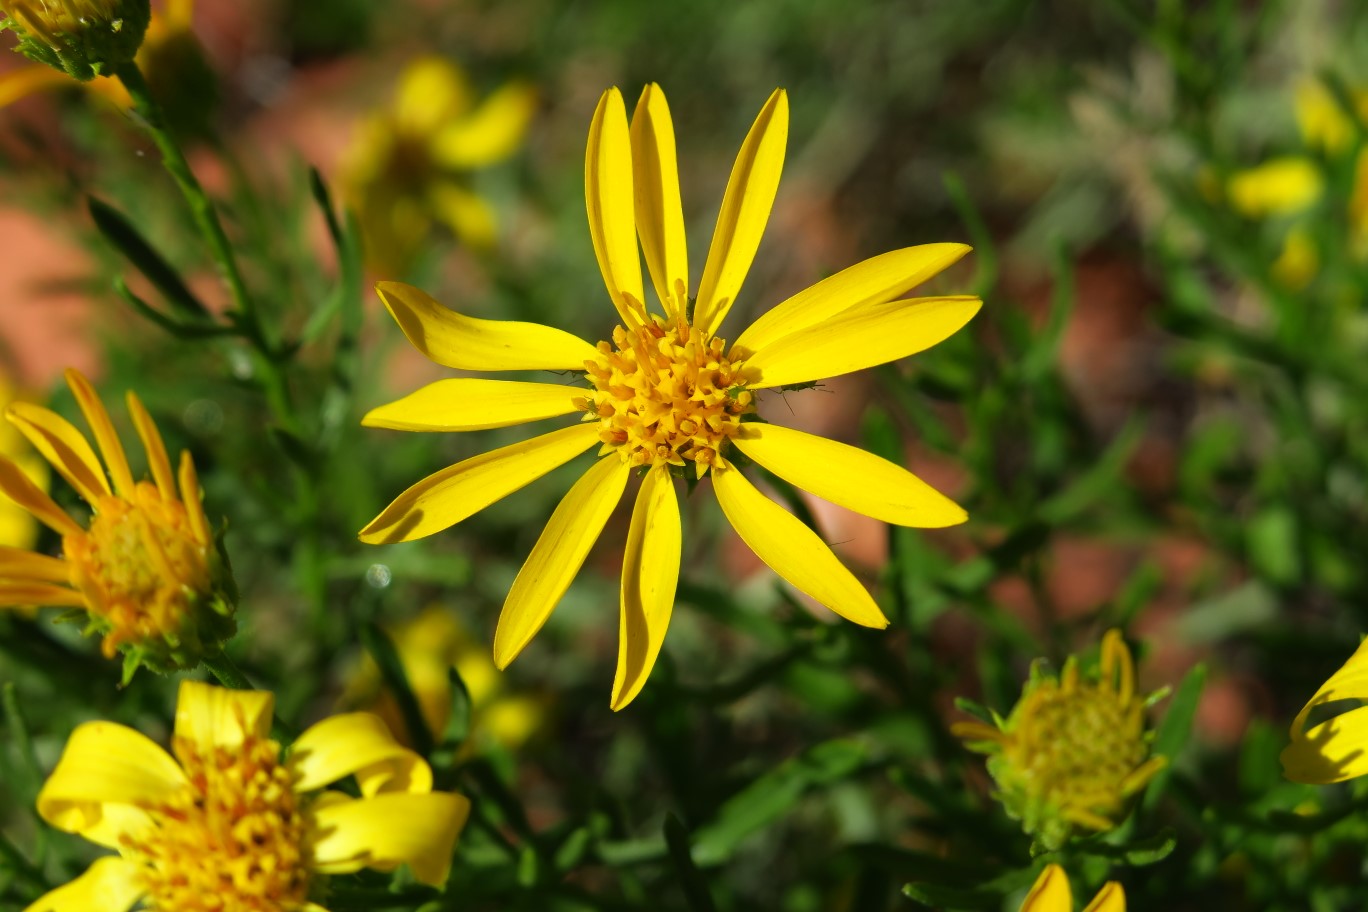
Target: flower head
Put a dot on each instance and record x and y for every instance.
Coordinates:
(410, 165)
(146, 568)
(1073, 750)
(1051, 893)
(82, 38)
(1335, 748)
(668, 396)
(225, 821)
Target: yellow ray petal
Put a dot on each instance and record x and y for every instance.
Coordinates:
(874, 281)
(24, 81)
(469, 343)
(456, 492)
(557, 556)
(608, 198)
(745, 209)
(192, 498)
(659, 212)
(1051, 892)
(1333, 750)
(465, 213)
(1111, 898)
(650, 573)
(63, 446)
(792, 550)
(39, 595)
(388, 830)
(20, 564)
(212, 716)
(106, 772)
(859, 339)
(465, 404)
(1280, 186)
(110, 884)
(98, 418)
(848, 476)
(17, 486)
(357, 744)
(432, 92)
(490, 133)
(151, 438)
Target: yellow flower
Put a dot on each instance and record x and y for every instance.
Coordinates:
(1334, 749)
(408, 166)
(18, 528)
(1051, 893)
(428, 645)
(82, 38)
(225, 822)
(146, 568)
(669, 395)
(1072, 751)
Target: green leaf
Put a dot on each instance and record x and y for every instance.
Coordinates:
(935, 896)
(696, 892)
(1173, 733)
(127, 240)
(381, 649)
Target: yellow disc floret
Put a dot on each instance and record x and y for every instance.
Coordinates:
(1072, 751)
(235, 837)
(665, 392)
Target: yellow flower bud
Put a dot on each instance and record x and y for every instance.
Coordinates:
(82, 38)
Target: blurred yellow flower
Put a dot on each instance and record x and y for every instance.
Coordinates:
(667, 397)
(1051, 893)
(1288, 186)
(224, 800)
(1072, 751)
(146, 568)
(18, 528)
(409, 166)
(1334, 749)
(430, 644)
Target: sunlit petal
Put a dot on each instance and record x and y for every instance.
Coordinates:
(746, 207)
(659, 211)
(445, 498)
(213, 716)
(873, 281)
(865, 337)
(848, 476)
(110, 884)
(490, 133)
(357, 744)
(608, 197)
(466, 404)
(557, 556)
(157, 460)
(1051, 892)
(1336, 749)
(1111, 898)
(650, 573)
(469, 343)
(63, 446)
(385, 831)
(792, 550)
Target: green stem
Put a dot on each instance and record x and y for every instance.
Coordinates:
(228, 674)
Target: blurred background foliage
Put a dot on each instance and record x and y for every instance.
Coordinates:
(1156, 423)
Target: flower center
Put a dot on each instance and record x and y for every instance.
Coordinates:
(234, 838)
(666, 393)
(141, 568)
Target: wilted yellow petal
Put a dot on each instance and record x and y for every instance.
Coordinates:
(659, 211)
(874, 281)
(385, 831)
(745, 209)
(110, 884)
(848, 476)
(650, 573)
(469, 343)
(490, 133)
(1051, 892)
(357, 744)
(456, 492)
(1281, 186)
(861, 338)
(792, 550)
(608, 198)
(464, 404)
(558, 554)
(212, 716)
(63, 446)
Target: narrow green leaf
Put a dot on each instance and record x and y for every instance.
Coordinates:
(381, 649)
(120, 232)
(696, 892)
(174, 327)
(1173, 733)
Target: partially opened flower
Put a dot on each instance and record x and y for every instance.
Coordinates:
(146, 568)
(1335, 748)
(82, 38)
(667, 396)
(224, 821)
(410, 166)
(1073, 750)
(1051, 893)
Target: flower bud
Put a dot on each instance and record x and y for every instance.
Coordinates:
(82, 38)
